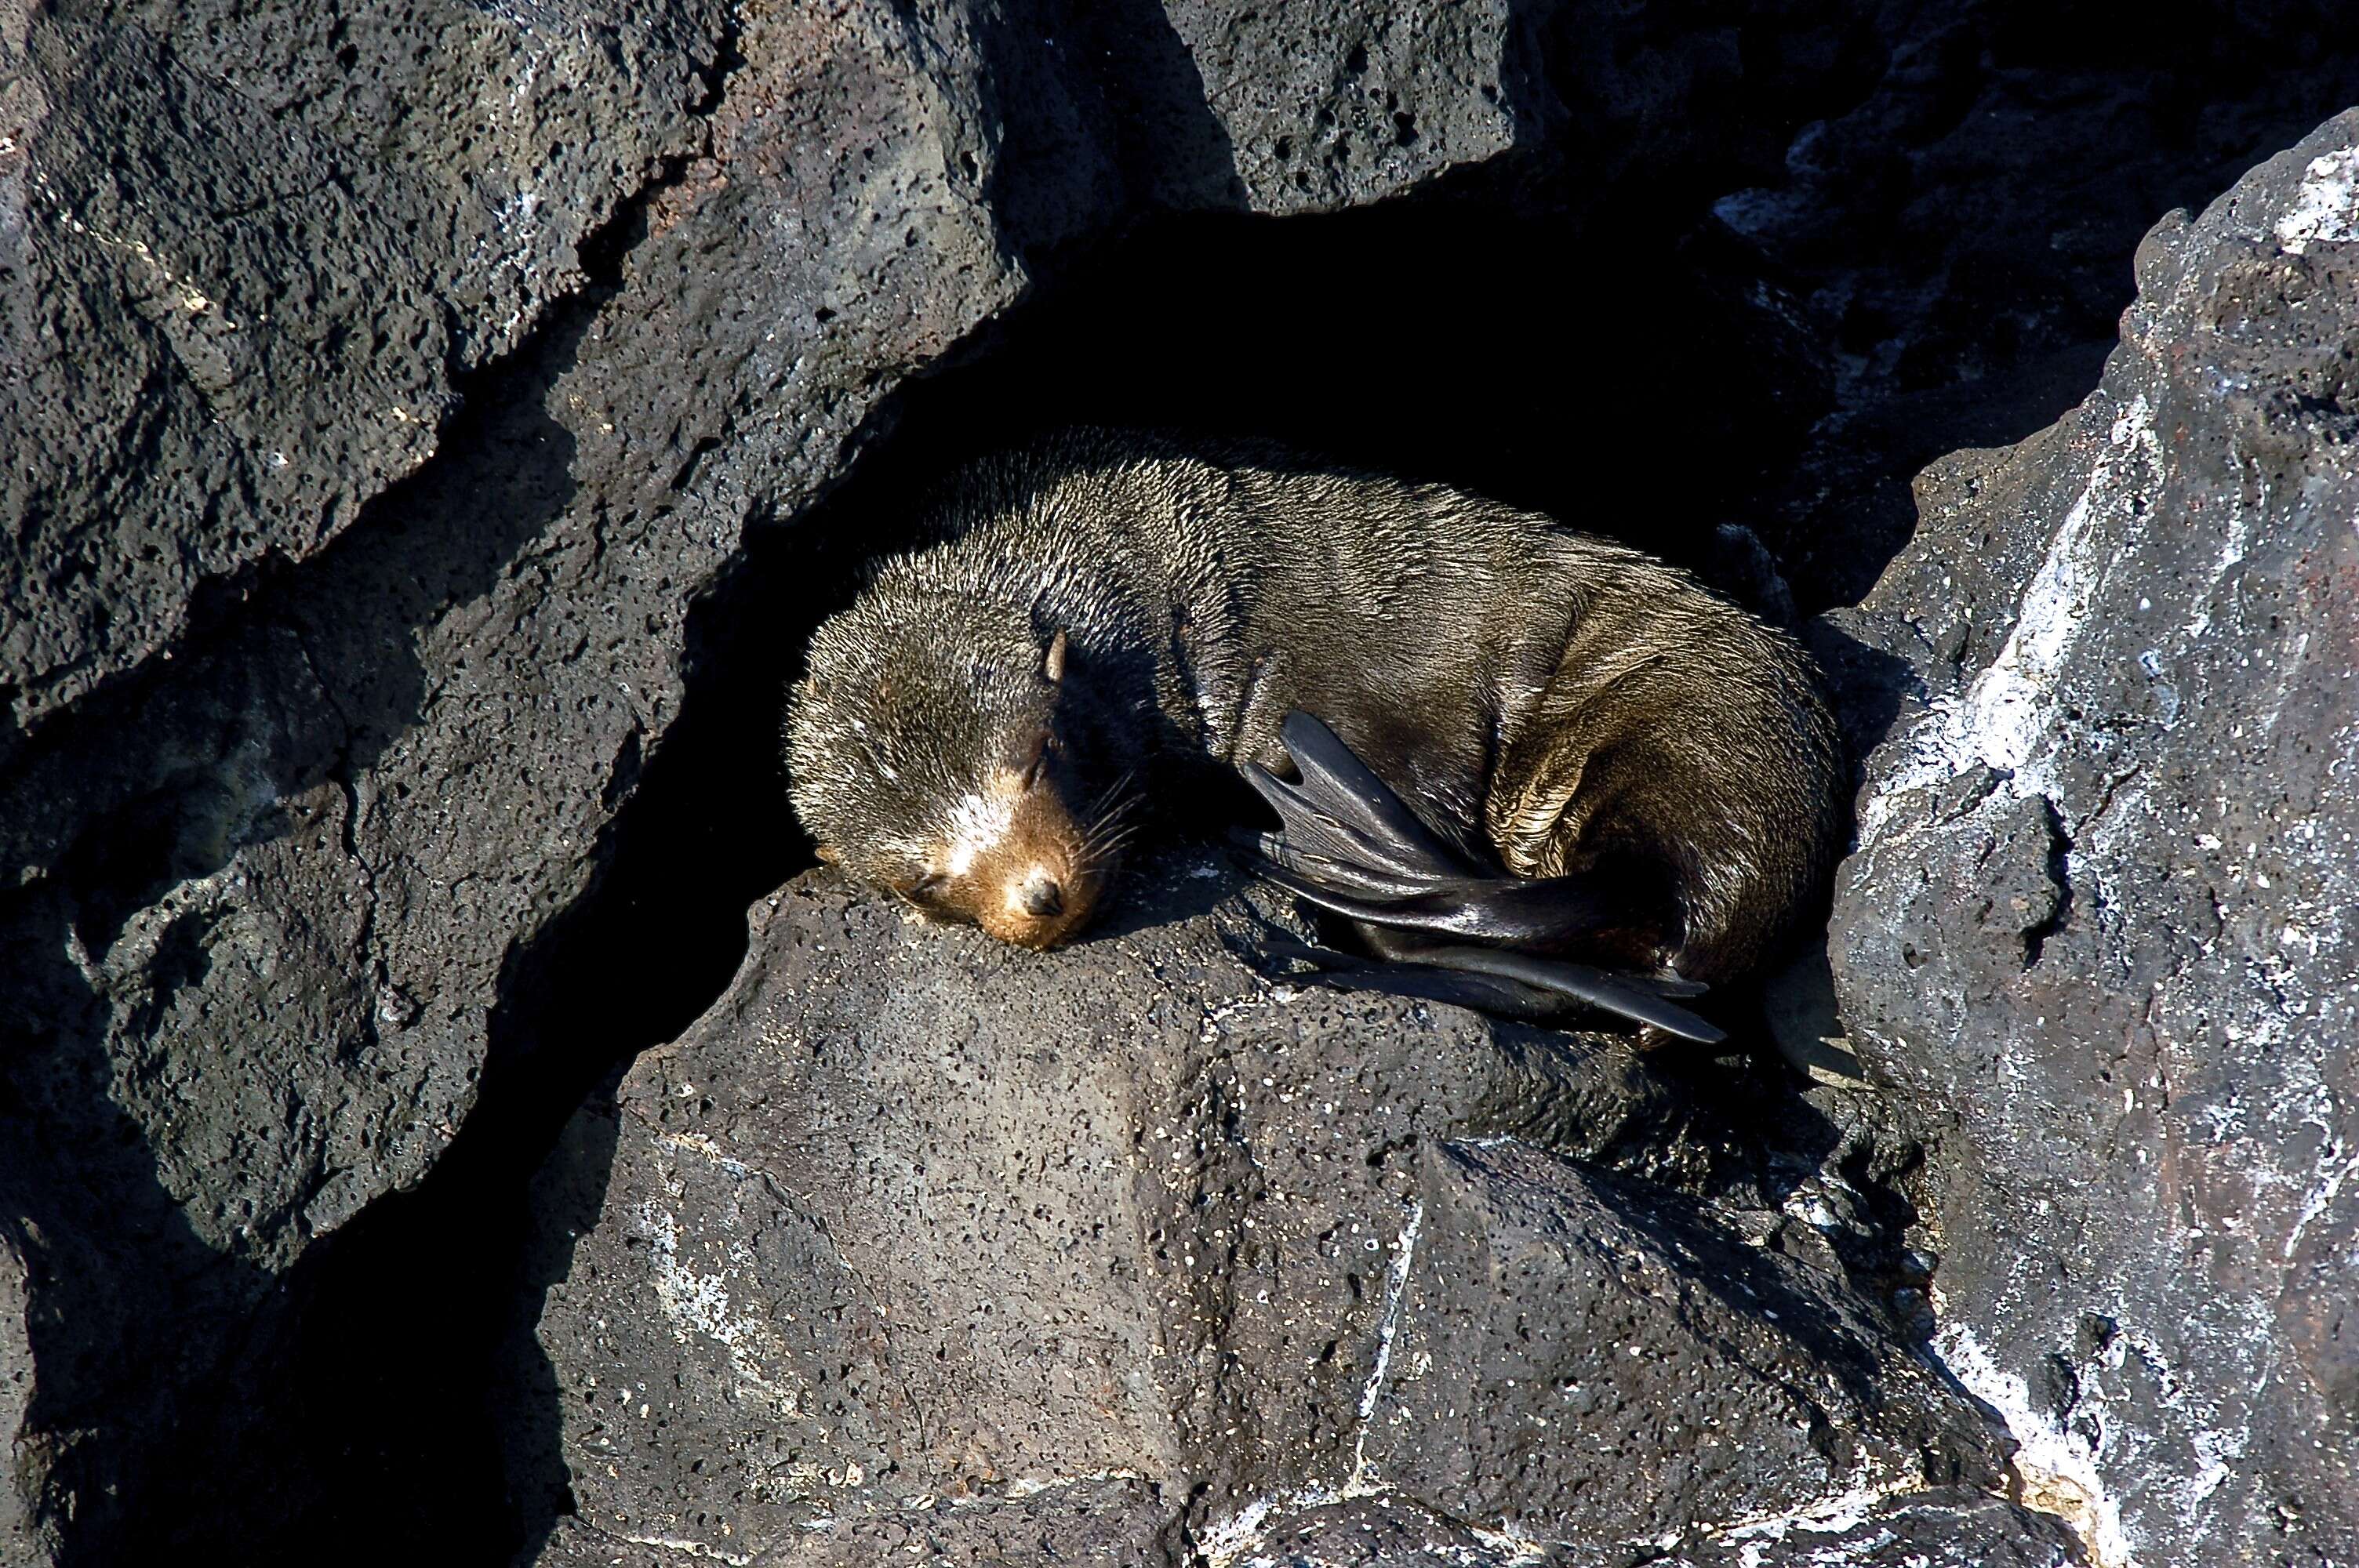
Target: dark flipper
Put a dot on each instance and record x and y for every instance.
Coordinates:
(1632, 996)
(1348, 790)
(1499, 909)
(1339, 824)
(1352, 846)
(1484, 993)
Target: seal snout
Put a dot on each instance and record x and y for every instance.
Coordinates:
(1040, 895)
(1016, 861)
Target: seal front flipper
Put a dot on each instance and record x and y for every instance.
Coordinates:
(1347, 791)
(1341, 812)
(1352, 846)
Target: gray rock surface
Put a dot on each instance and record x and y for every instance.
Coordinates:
(1947, 1528)
(248, 259)
(20, 1532)
(1133, 1241)
(1318, 103)
(2099, 925)
(399, 380)
(1951, 1527)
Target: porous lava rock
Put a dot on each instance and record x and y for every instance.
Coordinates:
(20, 1532)
(403, 399)
(251, 257)
(2098, 930)
(381, 389)
(917, 1238)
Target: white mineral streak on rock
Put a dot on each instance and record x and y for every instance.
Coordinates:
(2326, 207)
(694, 1303)
(1240, 1539)
(703, 1148)
(1033, 1486)
(1517, 1547)
(2059, 1468)
(698, 1303)
(688, 1547)
(2007, 718)
(1827, 1516)
(1395, 1288)
(2321, 1199)
(1233, 1542)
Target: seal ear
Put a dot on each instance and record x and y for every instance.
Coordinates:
(1053, 663)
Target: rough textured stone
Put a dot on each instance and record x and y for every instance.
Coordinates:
(912, 1215)
(20, 1534)
(1951, 1527)
(399, 384)
(250, 256)
(2098, 927)
(342, 719)
(1390, 96)
(1586, 1359)
(1120, 1523)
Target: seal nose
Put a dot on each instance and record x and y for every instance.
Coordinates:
(1041, 896)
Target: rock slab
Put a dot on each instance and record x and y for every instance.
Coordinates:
(2100, 923)
(921, 1238)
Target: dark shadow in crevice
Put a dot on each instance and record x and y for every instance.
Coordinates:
(1402, 339)
(420, 1393)
(149, 1336)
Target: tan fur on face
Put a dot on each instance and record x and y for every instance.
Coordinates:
(983, 877)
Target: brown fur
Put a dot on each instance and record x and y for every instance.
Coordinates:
(1545, 696)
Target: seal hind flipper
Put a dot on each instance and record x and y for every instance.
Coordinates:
(1518, 985)
(1496, 909)
(1349, 790)
(1634, 997)
(1484, 993)
(1352, 846)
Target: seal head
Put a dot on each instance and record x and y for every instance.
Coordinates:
(924, 757)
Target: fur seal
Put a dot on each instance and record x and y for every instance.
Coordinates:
(1546, 763)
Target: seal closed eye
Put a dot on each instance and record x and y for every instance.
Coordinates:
(1544, 768)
